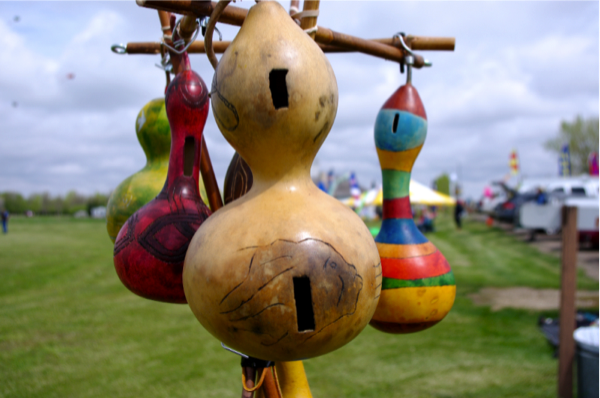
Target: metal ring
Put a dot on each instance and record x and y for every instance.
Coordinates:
(119, 48)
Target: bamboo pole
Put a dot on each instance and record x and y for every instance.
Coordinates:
(197, 47)
(568, 288)
(187, 27)
(307, 23)
(210, 181)
(235, 16)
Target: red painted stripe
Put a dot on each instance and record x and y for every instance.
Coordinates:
(415, 267)
(406, 98)
(397, 208)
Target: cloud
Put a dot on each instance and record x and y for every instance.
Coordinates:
(519, 68)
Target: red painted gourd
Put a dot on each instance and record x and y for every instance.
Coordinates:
(152, 245)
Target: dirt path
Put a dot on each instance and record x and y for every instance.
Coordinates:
(539, 299)
(528, 298)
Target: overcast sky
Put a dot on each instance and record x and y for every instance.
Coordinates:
(519, 68)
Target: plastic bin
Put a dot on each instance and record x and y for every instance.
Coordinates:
(587, 361)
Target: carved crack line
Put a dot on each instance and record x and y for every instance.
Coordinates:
(303, 240)
(278, 340)
(341, 291)
(258, 313)
(255, 293)
(240, 284)
(341, 316)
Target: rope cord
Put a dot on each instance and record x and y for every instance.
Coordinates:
(258, 385)
(277, 381)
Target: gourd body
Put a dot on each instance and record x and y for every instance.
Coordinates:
(285, 272)
(418, 286)
(154, 135)
(151, 246)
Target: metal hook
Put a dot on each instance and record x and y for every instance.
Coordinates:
(181, 41)
(119, 48)
(409, 59)
(165, 60)
(234, 351)
(204, 23)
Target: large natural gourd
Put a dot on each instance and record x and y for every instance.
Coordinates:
(151, 246)
(418, 286)
(285, 272)
(154, 135)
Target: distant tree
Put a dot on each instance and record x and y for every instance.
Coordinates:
(34, 203)
(74, 202)
(442, 184)
(96, 200)
(14, 202)
(582, 137)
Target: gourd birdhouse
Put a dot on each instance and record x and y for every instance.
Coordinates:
(418, 286)
(285, 272)
(154, 135)
(151, 246)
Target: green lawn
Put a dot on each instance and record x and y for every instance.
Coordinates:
(68, 328)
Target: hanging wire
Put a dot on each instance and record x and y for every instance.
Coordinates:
(181, 42)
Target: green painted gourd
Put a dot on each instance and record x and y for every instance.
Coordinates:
(154, 135)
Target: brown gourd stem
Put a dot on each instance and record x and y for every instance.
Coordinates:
(212, 22)
(210, 181)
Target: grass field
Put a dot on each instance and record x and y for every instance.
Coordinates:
(68, 328)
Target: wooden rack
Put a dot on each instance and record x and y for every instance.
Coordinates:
(329, 40)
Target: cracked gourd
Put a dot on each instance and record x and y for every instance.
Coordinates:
(285, 272)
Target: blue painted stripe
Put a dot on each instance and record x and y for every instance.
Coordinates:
(400, 231)
(410, 133)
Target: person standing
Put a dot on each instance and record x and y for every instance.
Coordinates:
(5, 216)
(458, 210)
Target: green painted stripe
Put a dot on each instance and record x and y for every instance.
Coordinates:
(395, 183)
(442, 280)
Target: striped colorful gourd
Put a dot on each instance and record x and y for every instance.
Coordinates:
(418, 287)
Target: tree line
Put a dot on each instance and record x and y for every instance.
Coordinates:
(46, 204)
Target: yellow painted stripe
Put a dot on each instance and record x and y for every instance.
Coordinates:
(415, 304)
(402, 161)
(387, 250)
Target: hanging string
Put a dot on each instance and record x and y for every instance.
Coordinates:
(258, 385)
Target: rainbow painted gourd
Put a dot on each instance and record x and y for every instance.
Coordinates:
(154, 135)
(418, 287)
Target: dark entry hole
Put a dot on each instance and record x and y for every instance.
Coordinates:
(395, 125)
(304, 307)
(189, 151)
(278, 88)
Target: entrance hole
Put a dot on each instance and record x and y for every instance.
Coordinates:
(278, 87)
(304, 307)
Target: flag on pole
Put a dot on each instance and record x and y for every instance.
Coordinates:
(593, 163)
(564, 162)
(514, 162)
(354, 188)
